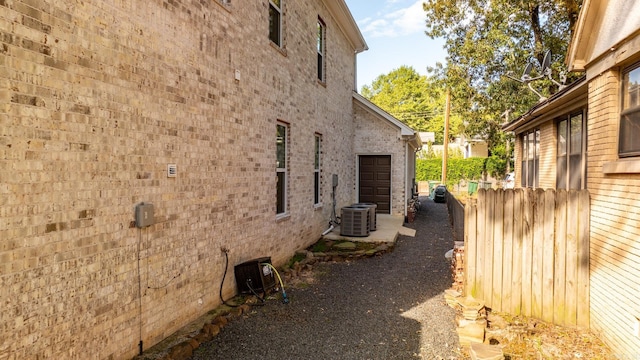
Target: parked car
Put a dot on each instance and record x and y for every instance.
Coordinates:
(440, 194)
(509, 181)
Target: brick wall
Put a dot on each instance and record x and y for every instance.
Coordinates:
(376, 136)
(615, 224)
(96, 99)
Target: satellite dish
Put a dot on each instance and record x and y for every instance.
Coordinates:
(547, 60)
(527, 71)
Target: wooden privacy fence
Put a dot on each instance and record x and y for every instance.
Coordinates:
(527, 253)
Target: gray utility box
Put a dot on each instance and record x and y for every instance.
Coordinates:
(144, 215)
(372, 214)
(354, 221)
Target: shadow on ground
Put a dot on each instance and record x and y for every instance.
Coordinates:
(383, 307)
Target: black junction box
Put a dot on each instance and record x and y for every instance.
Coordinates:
(256, 274)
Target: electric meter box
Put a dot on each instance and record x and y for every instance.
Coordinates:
(254, 274)
(144, 215)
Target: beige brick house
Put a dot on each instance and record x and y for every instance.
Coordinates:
(105, 105)
(588, 137)
(380, 138)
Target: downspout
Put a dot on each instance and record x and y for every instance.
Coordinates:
(406, 176)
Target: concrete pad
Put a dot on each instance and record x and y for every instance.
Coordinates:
(388, 227)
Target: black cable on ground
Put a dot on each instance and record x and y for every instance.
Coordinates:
(253, 291)
(226, 255)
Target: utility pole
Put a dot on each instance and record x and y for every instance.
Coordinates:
(445, 152)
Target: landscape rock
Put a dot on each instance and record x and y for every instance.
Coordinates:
(220, 321)
(347, 245)
(496, 321)
(486, 352)
(182, 351)
(472, 332)
(382, 248)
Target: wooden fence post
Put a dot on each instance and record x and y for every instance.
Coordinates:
(584, 226)
(498, 249)
(559, 282)
(488, 247)
(571, 285)
(548, 259)
(507, 254)
(516, 277)
(470, 247)
(527, 248)
(481, 244)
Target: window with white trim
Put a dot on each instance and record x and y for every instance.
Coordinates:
(275, 21)
(316, 169)
(629, 138)
(530, 158)
(281, 168)
(321, 37)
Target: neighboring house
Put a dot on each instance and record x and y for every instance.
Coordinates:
(229, 118)
(427, 137)
(386, 150)
(473, 147)
(587, 136)
(461, 146)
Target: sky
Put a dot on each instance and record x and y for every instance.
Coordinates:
(394, 31)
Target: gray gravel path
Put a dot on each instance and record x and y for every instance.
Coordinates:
(386, 307)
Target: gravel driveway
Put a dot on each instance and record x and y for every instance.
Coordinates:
(384, 307)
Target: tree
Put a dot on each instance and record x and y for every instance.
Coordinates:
(414, 99)
(485, 40)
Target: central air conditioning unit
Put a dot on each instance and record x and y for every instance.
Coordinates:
(354, 221)
(254, 276)
(373, 207)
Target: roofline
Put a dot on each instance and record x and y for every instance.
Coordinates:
(340, 11)
(405, 130)
(571, 60)
(576, 91)
(373, 108)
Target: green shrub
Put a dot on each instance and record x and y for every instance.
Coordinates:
(457, 169)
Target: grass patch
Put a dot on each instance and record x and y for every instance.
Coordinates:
(320, 246)
(296, 258)
(323, 246)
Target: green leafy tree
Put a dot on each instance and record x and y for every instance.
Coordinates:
(414, 99)
(488, 39)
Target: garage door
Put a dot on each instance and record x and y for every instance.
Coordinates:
(375, 181)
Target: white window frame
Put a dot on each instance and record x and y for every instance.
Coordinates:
(321, 46)
(317, 170)
(532, 156)
(275, 7)
(282, 169)
(629, 109)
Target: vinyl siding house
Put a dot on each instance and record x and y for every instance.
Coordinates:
(228, 119)
(587, 136)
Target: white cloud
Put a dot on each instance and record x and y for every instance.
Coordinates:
(399, 22)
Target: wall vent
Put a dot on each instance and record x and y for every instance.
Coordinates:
(354, 221)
